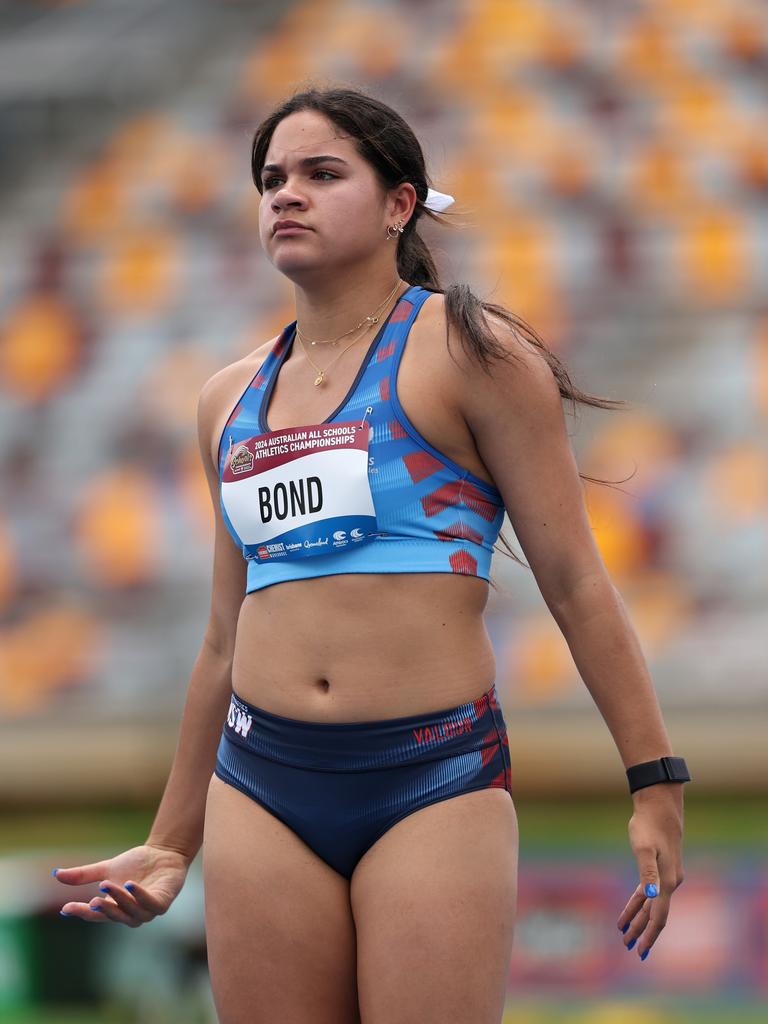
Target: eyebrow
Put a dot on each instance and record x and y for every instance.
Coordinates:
(308, 161)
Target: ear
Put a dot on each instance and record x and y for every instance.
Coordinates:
(402, 202)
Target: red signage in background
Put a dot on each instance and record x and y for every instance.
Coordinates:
(566, 940)
(757, 934)
(561, 937)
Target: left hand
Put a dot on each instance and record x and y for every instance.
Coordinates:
(656, 835)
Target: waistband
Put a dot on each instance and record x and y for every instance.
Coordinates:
(356, 746)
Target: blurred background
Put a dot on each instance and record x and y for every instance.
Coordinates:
(609, 160)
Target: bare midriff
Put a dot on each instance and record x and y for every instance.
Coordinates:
(364, 646)
(369, 646)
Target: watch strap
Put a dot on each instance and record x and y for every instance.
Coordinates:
(663, 769)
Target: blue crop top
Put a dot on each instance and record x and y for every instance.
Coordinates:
(394, 503)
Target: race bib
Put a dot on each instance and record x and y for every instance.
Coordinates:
(300, 492)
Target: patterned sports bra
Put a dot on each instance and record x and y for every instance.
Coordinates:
(360, 492)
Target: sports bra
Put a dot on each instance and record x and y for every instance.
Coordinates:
(361, 492)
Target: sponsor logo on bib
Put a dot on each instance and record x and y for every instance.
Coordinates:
(302, 491)
(241, 461)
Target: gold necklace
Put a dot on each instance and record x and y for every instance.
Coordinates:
(320, 379)
(369, 322)
(372, 319)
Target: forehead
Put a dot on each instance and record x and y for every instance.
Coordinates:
(301, 133)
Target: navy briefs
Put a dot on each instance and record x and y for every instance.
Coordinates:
(340, 785)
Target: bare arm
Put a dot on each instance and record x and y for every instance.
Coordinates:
(517, 420)
(178, 824)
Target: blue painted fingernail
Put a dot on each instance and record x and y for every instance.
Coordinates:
(64, 913)
(103, 889)
(625, 928)
(631, 944)
(651, 890)
(101, 909)
(645, 954)
(129, 886)
(53, 871)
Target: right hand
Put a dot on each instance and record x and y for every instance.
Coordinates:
(156, 876)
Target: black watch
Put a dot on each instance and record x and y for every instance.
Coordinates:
(664, 769)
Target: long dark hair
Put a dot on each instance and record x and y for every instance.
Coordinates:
(389, 145)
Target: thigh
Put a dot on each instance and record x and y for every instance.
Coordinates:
(434, 903)
(279, 927)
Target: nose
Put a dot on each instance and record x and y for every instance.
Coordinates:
(283, 198)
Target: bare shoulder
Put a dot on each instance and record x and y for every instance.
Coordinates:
(519, 375)
(221, 391)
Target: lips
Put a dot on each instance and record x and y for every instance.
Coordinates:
(281, 224)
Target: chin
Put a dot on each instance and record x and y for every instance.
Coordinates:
(300, 269)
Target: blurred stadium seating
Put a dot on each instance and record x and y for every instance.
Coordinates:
(611, 176)
(610, 164)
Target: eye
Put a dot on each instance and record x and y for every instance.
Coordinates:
(267, 183)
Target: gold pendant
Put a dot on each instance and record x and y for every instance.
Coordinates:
(319, 378)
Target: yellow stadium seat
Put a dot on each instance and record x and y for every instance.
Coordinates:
(117, 528)
(135, 143)
(8, 567)
(712, 250)
(658, 181)
(570, 163)
(518, 259)
(513, 127)
(169, 393)
(276, 66)
(40, 347)
(96, 205)
(522, 29)
(139, 269)
(659, 605)
(646, 50)
(737, 483)
(694, 108)
(494, 38)
(193, 488)
(538, 663)
(637, 442)
(54, 648)
(617, 529)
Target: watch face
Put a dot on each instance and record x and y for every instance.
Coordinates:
(676, 769)
(663, 769)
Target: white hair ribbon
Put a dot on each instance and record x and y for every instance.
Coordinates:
(437, 201)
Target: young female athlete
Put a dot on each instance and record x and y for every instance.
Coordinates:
(342, 757)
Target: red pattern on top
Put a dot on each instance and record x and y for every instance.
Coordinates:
(421, 464)
(474, 499)
(459, 531)
(386, 351)
(384, 389)
(280, 344)
(463, 562)
(235, 413)
(444, 497)
(396, 430)
(401, 312)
